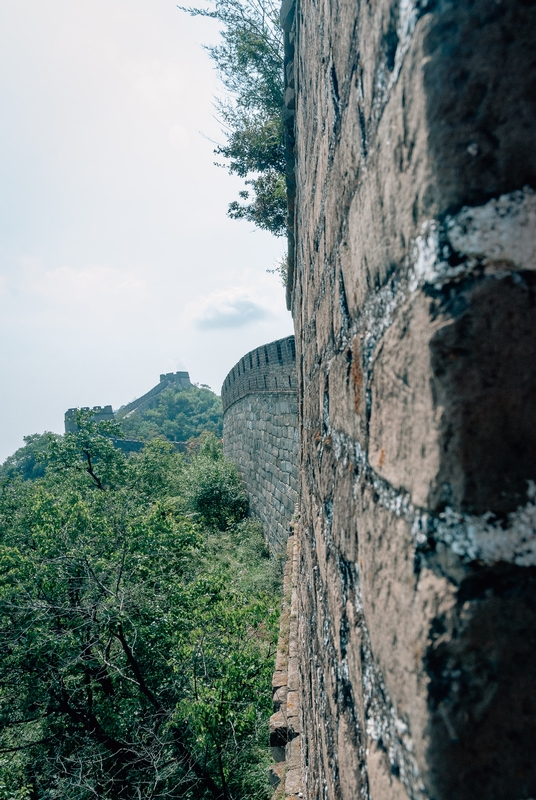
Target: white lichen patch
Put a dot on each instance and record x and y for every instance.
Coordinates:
(501, 230)
(425, 258)
(382, 722)
(427, 262)
(408, 14)
(473, 538)
(484, 539)
(377, 316)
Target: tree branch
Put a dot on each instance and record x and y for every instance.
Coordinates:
(184, 751)
(89, 469)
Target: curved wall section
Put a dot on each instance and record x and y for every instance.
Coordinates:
(270, 368)
(260, 433)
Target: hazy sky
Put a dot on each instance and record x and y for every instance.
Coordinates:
(117, 259)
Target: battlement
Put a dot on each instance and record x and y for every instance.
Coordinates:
(269, 368)
(260, 433)
(101, 413)
(176, 377)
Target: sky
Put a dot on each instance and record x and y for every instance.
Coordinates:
(117, 259)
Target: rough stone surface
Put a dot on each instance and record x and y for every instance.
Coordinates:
(286, 722)
(276, 773)
(412, 285)
(260, 433)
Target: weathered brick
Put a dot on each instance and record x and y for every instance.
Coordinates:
(412, 278)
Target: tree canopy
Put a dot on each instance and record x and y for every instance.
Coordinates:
(138, 613)
(30, 460)
(178, 415)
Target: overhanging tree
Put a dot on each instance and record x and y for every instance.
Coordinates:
(249, 62)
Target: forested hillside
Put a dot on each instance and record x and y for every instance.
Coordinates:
(178, 415)
(138, 616)
(30, 460)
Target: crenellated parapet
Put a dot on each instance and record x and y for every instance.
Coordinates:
(268, 369)
(179, 380)
(100, 414)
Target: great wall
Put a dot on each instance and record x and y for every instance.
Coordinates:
(178, 380)
(406, 666)
(390, 446)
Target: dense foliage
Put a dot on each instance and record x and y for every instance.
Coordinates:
(30, 460)
(137, 625)
(212, 487)
(179, 414)
(249, 60)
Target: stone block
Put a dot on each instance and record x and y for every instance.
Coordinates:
(278, 729)
(293, 782)
(276, 773)
(293, 673)
(293, 752)
(293, 713)
(279, 697)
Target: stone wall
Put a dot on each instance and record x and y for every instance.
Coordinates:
(413, 286)
(285, 722)
(260, 435)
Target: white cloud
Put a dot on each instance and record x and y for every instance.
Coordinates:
(122, 219)
(233, 308)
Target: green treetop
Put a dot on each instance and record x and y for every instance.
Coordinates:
(178, 415)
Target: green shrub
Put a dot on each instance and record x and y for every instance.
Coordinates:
(29, 461)
(213, 488)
